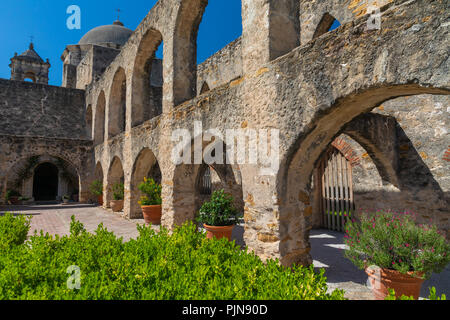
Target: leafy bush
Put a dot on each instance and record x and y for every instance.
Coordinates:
(96, 188)
(432, 296)
(394, 241)
(118, 191)
(152, 191)
(12, 193)
(13, 230)
(155, 266)
(219, 211)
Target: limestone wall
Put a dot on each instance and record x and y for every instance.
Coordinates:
(28, 109)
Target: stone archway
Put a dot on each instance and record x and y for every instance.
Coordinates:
(117, 104)
(45, 182)
(115, 176)
(145, 166)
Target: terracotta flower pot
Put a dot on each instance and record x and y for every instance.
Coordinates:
(152, 214)
(382, 280)
(100, 200)
(14, 201)
(116, 205)
(218, 232)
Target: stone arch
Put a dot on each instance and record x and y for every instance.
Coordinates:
(88, 119)
(30, 76)
(185, 49)
(117, 104)
(98, 172)
(147, 97)
(205, 88)
(324, 25)
(21, 174)
(145, 162)
(99, 119)
(187, 198)
(294, 178)
(115, 175)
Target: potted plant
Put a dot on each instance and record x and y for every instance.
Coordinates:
(12, 197)
(97, 190)
(118, 196)
(151, 201)
(219, 216)
(66, 198)
(395, 252)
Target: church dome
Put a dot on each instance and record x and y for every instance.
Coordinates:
(115, 33)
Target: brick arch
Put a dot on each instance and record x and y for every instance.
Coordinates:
(347, 151)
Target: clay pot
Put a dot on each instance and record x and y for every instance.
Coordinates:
(14, 201)
(218, 232)
(152, 214)
(116, 205)
(382, 280)
(100, 200)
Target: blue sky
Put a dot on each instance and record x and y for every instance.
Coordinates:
(45, 20)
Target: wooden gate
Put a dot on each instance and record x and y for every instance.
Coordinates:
(335, 181)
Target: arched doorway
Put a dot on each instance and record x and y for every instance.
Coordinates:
(334, 183)
(45, 182)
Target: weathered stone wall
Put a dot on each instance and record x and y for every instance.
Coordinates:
(221, 68)
(310, 93)
(76, 153)
(29, 109)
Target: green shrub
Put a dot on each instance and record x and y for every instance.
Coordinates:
(432, 296)
(13, 230)
(118, 191)
(11, 193)
(219, 211)
(154, 266)
(152, 191)
(96, 188)
(394, 241)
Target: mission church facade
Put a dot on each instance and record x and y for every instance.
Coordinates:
(362, 114)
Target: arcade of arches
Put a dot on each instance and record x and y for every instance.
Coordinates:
(362, 117)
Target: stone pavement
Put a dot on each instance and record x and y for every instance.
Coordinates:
(55, 219)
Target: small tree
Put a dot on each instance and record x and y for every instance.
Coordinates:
(151, 191)
(96, 188)
(118, 191)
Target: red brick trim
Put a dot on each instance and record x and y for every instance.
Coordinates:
(446, 156)
(347, 150)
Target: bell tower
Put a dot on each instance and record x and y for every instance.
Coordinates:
(29, 66)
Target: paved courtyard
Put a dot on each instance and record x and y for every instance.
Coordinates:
(326, 246)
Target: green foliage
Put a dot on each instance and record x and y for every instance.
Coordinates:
(219, 211)
(13, 230)
(118, 190)
(394, 241)
(12, 193)
(432, 296)
(183, 265)
(96, 188)
(152, 191)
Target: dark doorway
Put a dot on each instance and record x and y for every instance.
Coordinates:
(45, 182)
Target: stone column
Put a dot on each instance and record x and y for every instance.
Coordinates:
(271, 28)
